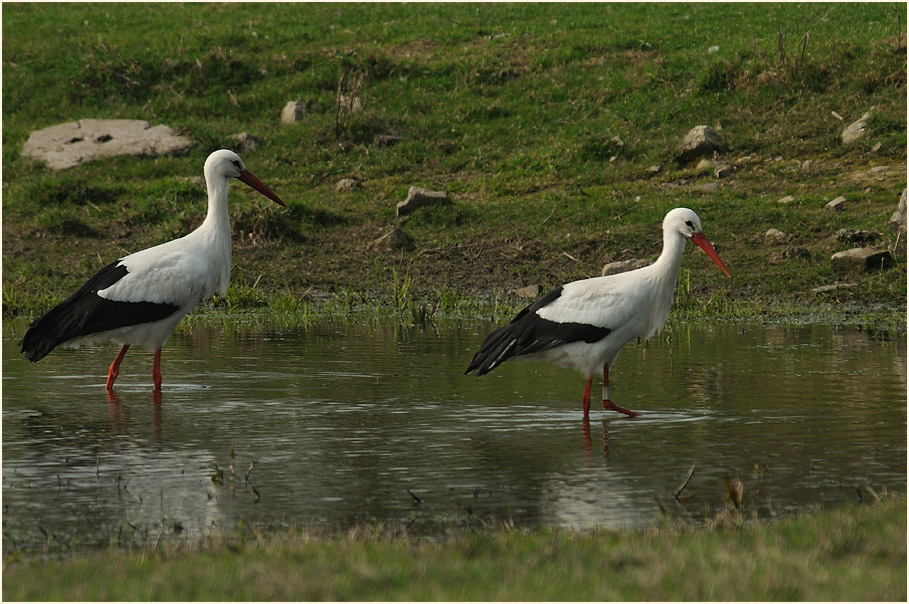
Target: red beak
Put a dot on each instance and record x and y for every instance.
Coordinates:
(247, 177)
(705, 245)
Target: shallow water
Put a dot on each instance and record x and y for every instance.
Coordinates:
(337, 425)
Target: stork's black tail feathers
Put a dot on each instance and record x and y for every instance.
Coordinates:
(85, 312)
(529, 333)
(510, 340)
(518, 337)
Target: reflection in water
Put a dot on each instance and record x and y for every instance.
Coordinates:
(338, 424)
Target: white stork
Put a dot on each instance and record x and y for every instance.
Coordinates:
(139, 299)
(584, 324)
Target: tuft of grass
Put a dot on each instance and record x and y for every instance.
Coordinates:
(847, 553)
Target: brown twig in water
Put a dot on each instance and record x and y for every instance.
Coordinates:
(684, 483)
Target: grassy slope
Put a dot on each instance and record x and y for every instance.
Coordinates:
(846, 554)
(512, 109)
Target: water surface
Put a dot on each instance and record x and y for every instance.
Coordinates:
(335, 425)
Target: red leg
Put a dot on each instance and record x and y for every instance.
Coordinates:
(607, 402)
(115, 367)
(585, 400)
(156, 369)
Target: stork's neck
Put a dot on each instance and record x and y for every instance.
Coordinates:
(667, 265)
(217, 221)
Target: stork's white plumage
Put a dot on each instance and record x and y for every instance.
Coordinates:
(584, 324)
(139, 299)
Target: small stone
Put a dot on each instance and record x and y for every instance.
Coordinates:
(857, 236)
(862, 258)
(776, 236)
(352, 104)
(529, 292)
(292, 112)
(395, 239)
(722, 171)
(245, 141)
(701, 141)
(806, 164)
(705, 165)
(788, 254)
(345, 185)
(838, 204)
(831, 288)
(387, 139)
(787, 199)
(876, 148)
(898, 220)
(768, 77)
(877, 169)
(655, 169)
(418, 197)
(623, 266)
(855, 130)
(710, 187)
(196, 181)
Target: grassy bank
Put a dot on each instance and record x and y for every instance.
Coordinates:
(848, 553)
(540, 121)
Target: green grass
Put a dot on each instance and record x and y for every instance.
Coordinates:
(847, 553)
(512, 109)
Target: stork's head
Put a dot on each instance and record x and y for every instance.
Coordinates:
(224, 163)
(686, 223)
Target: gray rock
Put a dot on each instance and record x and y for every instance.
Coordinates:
(701, 141)
(245, 141)
(857, 236)
(196, 181)
(786, 199)
(838, 204)
(395, 239)
(655, 169)
(351, 104)
(293, 112)
(831, 288)
(855, 130)
(898, 220)
(345, 185)
(862, 258)
(776, 236)
(623, 266)
(417, 197)
(710, 187)
(388, 138)
(705, 165)
(530, 292)
(788, 254)
(66, 145)
(722, 171)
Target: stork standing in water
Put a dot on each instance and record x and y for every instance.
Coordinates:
(584, 324)
(139, 299)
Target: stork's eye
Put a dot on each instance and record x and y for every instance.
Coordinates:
(236, 164)
(690, 224)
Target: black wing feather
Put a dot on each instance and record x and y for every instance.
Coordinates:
(85, 312)
(528, 333)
